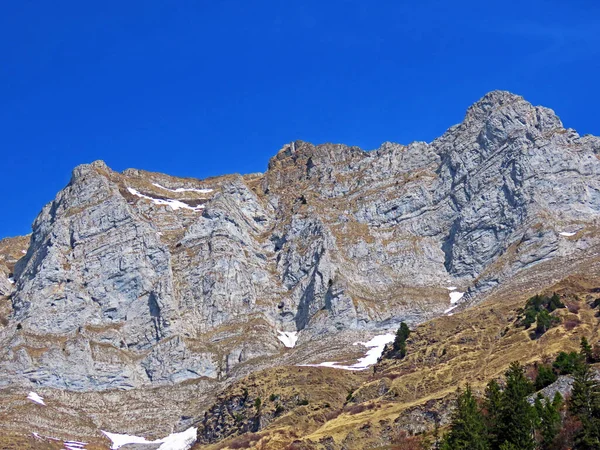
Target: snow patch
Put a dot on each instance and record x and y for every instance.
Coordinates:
(174, 204)
(11, 280)
(447, 312)
(68, 445)
(200, 191)
(375, 346)
(74, 445)
(36, 398)
(175, 441)
(289, 338)
(455, 297)
(451, 288)
(568, 233)
(24, 252)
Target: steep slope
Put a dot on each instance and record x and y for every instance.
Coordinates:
(373, 409)
(135, 280)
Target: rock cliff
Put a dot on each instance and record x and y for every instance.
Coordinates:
(133, 279)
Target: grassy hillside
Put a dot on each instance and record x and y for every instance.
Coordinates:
(377, 408)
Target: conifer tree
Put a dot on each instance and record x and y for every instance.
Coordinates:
(517, 417)
(549, 419)
(543, 322)
(400, 340)
(545, 377)
(585, 405)
(467, 430)
(492, 404)
(586, 349)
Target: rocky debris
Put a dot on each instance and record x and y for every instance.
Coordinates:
(562, 385)
(122, 287)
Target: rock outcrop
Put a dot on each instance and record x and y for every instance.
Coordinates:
(138, 278)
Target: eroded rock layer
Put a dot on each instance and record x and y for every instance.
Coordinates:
(135, 278)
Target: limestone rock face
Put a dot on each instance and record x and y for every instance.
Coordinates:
(136, 278)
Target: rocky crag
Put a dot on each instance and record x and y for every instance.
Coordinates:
(141, 279)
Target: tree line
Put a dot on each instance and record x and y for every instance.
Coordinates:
(507, 419)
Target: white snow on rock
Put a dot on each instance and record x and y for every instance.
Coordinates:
(119, 440)
(179, 441)
(567, 233)
(200, 191)
(11, 280)
(24, 252)
(175, 204)
(289, 338)
(451, 288)
(447, 312)
(175, 441)
(68, 445)
(375, 346)
(455, 297)
(74, 445)
(36, 398)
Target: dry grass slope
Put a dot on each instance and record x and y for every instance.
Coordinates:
(473, 347)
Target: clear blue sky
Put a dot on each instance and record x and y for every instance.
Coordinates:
(201, 88)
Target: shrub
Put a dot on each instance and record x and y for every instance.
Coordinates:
(596, 353)
(273, 397)
(303, 402)
(571, 324)
(404, 441)
(244, 441)
(355, 409)
(350, 395)
(330, 415)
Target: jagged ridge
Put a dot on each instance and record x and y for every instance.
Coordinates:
(139, 278)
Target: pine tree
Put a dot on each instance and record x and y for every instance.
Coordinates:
(555, 303)
(492, 404)
(544, 322)
(585, 405)
(549, 419)
(467, 430)
(545, 377)
(517, 416)
(566, 363)
(400, 340)
(586, 349)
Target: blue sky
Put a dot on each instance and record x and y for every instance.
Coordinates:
(201, 88)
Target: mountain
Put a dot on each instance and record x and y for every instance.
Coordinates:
(143, 289)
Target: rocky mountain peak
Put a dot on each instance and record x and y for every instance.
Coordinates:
(97, 166)
(140, 278)
(505, 108)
